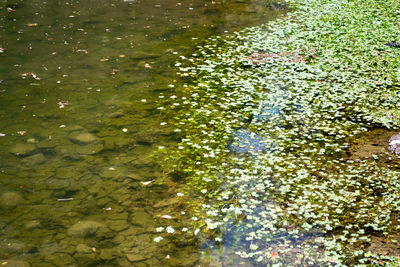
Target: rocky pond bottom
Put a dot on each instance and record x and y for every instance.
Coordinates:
(101, 213)
(287, 137)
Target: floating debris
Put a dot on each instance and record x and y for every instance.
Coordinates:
(65, 199)
(147, 183)
(168, 217)
(29, 74)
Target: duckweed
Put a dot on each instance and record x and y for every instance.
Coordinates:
(265, 122)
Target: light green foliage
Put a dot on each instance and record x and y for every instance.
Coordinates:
(326, 68)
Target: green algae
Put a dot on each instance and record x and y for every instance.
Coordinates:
(301, 201)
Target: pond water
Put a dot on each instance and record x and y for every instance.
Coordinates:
(78, 125)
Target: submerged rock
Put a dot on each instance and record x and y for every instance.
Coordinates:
(167, 202)
(117, 114)
(107, 254)
(141, 218)
(14, 263)
(32, 225)
(33, 160)
(82, 248)
(23, 149)
(10, 199)
(136, 257)
(90, 149)
(60, 259)
(13, 247)
(88, 229)
(394, 144)
(145, 138)
(82, 138)
(185, 259)
(144, 55)
(118, 225)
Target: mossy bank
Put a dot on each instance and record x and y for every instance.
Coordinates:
(267, 120)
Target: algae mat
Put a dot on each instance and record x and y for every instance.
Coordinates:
(268, 118)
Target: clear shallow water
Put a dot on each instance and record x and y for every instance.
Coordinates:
(76, 136)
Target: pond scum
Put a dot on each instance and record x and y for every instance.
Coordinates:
(266, 118)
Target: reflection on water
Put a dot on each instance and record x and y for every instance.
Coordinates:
(78, 126)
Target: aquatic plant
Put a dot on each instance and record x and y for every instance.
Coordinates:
(265, 121)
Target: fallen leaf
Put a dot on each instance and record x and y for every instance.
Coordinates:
(273, 255)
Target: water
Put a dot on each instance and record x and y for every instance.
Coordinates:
(78, 125)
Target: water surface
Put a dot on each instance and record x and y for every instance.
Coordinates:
(78, 125)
